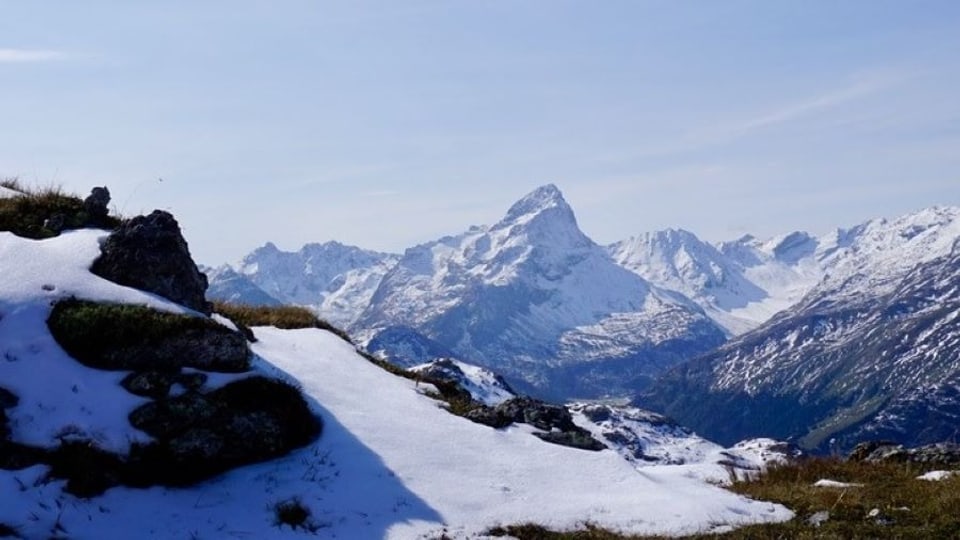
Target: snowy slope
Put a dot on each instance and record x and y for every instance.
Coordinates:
(333, 279)
(390, 463)
(534, 299)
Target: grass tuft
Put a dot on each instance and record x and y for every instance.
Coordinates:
(27, 214)
(284, 317)
(294, 514)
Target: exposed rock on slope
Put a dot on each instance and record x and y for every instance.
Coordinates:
(85, 417)
(150, 254)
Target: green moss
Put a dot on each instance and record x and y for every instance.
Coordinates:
(130, 337)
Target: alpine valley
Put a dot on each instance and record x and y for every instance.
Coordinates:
(840, 337)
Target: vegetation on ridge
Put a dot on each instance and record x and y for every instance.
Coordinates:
(284, 317)
(32, 213)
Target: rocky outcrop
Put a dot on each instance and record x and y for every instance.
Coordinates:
(136, 338)
(555, 421)
(150, 254)
(199, 435)
(96, 203)
(887, 452)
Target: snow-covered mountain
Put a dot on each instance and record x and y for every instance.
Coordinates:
(228, 285)
(873, 351)
(534, 299)
(741, 284)
(334, 280)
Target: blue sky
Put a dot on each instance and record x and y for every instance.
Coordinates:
(387, 123)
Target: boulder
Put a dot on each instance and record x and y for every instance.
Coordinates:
(149, 253)
(200, 435)
(887, 452)
(136, 338)
(96, 203)
(555, 421)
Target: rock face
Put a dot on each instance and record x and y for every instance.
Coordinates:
(149, 253)
(887, 452)
(96, 203)
(199, 435)
(554, 421)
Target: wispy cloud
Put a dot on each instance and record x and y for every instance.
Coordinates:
(22, 56)
(816, 104)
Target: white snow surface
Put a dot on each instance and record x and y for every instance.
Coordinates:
(834, 484)
(937, 476)
(390, 463)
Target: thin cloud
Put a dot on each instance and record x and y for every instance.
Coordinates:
(799, 110)
(23, 56)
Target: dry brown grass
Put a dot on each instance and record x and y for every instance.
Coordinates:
(906, 508)
(284, 317)
(26, 214)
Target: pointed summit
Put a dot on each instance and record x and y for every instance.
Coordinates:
(536, 202)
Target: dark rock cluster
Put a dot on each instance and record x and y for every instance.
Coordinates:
(555, 421)
(944, 453)
(149, 253)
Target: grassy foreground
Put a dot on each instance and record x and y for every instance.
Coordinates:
(891, 503)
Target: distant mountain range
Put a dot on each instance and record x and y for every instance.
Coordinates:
(872, 352)
(534, 299)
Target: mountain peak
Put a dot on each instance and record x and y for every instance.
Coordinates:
(538, 201)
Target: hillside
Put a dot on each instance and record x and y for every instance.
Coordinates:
(389, 463)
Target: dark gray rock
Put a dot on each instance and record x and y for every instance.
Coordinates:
(150, 254)
(165, 418)
(575, 439)
(8, 399)
(55, 223)
(136, 338)
(96, 203)
(886, 452)
(152, 384)
(555, 421)
(199, 435)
